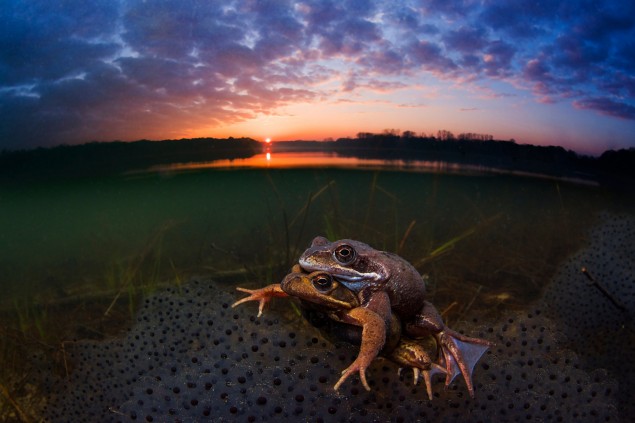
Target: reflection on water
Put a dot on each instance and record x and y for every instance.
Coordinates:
(322, 159)
(294, 160)
(288, 160)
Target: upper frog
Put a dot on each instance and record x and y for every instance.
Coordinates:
(362, 268)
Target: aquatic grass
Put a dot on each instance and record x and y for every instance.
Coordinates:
(275, 244)
(31, 318)
(142, 271)
(405, 236)
(371, 198)
(506, 266)
(270, 249)
(481, 256)
(451, 243)
(331, 229)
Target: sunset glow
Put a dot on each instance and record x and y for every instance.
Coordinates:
(317, 69)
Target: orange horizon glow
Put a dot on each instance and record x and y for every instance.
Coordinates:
(345, 119)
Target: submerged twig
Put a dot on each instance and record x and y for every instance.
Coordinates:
(602, 289)
(21, 414)
(63, 348)
(448, 308)
(469, 305)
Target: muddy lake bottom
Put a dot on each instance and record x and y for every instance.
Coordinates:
(79, 256)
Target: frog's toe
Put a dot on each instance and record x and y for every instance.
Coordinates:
(255, 295)
(353, 368)
(262, 295)
(459, 355)
(427, 377)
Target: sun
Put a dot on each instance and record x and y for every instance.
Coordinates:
(267, 140)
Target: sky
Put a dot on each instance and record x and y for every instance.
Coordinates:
(542, 72)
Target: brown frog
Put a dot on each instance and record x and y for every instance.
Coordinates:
(320, 292)
(384, 284)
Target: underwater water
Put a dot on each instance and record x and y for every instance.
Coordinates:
(80, 257)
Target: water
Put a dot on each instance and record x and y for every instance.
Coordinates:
(65, 236)
(78, 255)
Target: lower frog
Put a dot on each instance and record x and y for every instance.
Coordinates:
(319, 292)
(385, 284)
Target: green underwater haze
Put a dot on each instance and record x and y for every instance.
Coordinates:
(71, 235)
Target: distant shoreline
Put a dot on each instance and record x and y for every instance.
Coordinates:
(612, 168)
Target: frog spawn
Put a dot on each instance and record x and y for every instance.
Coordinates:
(600, 325)
(190, 357)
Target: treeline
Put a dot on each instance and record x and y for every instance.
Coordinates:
(441, 135)
(612, 167)
(477, 149)
(103, 158)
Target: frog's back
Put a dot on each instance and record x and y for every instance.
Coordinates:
(406, 288)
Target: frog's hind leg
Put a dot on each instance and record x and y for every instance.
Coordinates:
(459, 353)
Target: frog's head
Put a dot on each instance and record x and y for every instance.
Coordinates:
(353, 263)
(319, 288)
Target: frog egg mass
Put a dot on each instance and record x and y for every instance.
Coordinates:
(191, 357)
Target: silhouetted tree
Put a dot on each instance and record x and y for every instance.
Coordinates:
(365, 135)
(445, 135)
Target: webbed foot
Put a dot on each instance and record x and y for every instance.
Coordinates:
(459, 354)
(262, 295)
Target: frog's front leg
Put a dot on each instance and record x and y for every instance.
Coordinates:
(262, 295)
(373, 317)
(459, 353)
(373, 338)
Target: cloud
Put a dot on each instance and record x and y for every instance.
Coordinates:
(75, 71)
(607, 106)
(430, 56)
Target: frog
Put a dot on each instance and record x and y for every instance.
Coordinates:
(319, 291)
(385, 283)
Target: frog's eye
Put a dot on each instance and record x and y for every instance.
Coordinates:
(323, 282)
(345, 254)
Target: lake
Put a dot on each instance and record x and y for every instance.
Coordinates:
(78, 256)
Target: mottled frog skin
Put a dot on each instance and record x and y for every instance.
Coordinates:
(386, 283)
